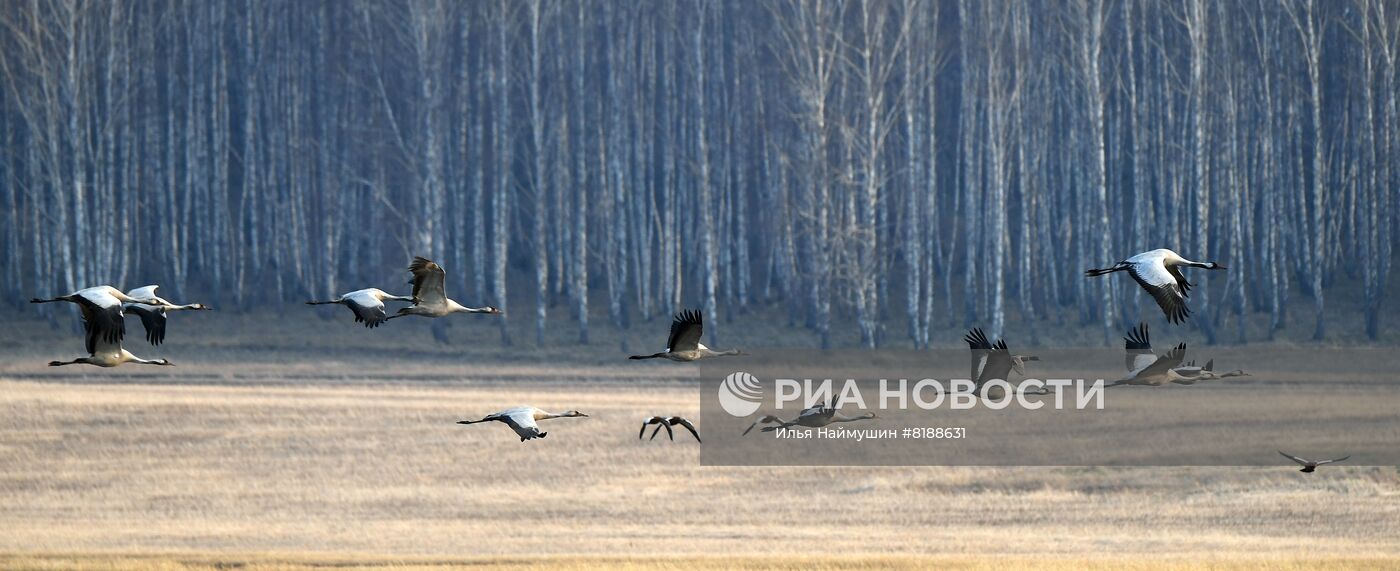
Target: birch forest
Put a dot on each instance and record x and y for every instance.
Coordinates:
(892, 167)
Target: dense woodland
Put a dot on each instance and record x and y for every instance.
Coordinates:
(892, 165)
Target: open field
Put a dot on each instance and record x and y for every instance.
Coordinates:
(205, 562)
(383, 471)
(340, 456)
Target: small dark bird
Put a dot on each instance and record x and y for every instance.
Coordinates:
(667, 422)
(1309, 466)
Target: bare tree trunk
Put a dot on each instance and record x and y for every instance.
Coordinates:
(1305, 18)
(538, 173)
(501, 208)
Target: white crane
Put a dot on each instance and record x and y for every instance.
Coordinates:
(153, 315)
(103, 318)
(108, 353)
(367, 304)
(522, 420)
(814, 417)
(1310, 465)
(1146, 368)
(684, 343)
(667, 422)
(995, 362)
(1159, 274)
(429, 296)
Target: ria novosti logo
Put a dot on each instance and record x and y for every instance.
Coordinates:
(740, 394)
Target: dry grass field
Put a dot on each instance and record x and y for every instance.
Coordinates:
(190, 562)
(279, 449)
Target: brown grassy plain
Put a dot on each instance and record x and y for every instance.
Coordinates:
(293, 446)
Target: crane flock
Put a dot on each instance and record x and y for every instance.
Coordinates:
(104, 309)
(104, 322)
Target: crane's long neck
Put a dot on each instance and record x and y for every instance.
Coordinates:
(126, 357)
(1177, 260)
(454, 307)
(73, 362)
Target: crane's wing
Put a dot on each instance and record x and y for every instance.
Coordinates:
(762, 420)
(368, 309)
(1300, 461)
(685, 331)
(669, 433)
(1168, 361)
(1137, 348)
(1321, 462)
(1161, 284)
(104, 347)
(103, 319)
(824, 410)
(645, 422)
(428, 278)
(688, 426)
(1189, 373)
(1180, 280)
(999, 364)
(1188, 368)
(522, 421)
(143, 292)
(979, 345)
(152, 318)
